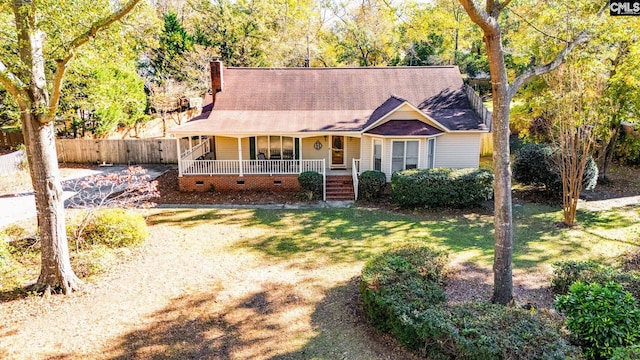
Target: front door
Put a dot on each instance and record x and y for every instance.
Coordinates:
(337, 151)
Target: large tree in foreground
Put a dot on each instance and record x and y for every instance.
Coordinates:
(503, 91)
(44, 37)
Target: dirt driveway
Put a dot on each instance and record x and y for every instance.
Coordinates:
(199, 298)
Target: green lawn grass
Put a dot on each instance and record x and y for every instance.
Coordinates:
(334, 236)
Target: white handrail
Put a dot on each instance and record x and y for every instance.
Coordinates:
(250, 167)
(355, 172)
(196, 151)
(324, 182)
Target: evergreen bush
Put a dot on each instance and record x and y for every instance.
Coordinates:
(371, 184)
(441, 187)
(602, 317)
(311, 181)
(402, 294)
(534, 165)
(566, 273)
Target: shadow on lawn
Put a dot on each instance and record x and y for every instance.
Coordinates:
(196, 326)
(343, 331)
(261, 325)
(355, 235)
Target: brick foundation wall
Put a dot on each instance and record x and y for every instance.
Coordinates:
(234, 182)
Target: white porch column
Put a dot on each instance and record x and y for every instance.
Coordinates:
(179, 157)
(240, 156)
(190, 143)
(299, 155)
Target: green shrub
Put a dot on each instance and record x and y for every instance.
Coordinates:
(628, 148)
(371, 184)
(402, 294)
(602, 317)
(534, 165)
(406, 275)
(490, 331)
(626, 353)
(5, 252)
(441, 187)
(311, 181)
(566, 273)
(114, 228)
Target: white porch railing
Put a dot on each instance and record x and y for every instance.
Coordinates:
(196, 151)
(355, 172)
(250, 167)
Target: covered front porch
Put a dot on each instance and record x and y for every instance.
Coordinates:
(263, 161)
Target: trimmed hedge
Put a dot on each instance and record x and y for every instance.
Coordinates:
(441, 187)
(534, 165)
(566, 273)
(402, 294)
(602, 317)
(371, 184)
(311, 181)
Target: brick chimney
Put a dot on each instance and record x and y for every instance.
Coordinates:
(217, 83)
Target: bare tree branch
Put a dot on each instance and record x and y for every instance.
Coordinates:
(502, 6)
(535, 27)
(582, 38)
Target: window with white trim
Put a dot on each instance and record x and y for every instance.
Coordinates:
(377, 154)
(274, 147)
(431, 153)
(404, 155)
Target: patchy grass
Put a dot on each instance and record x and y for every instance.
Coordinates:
(281, 284)
(330, 236)
(23, 259)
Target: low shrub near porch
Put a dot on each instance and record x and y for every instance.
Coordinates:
(441, 187)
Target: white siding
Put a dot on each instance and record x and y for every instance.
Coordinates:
(458, 151)
(366, 153)
(353, 150)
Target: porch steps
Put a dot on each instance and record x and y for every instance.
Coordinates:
(340, 187)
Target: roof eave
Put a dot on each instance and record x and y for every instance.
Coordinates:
(436, 123)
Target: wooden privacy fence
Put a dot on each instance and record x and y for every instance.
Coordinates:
(11, 139)
(129, 151)
(478, 106)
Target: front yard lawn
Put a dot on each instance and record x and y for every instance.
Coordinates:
(281, 284)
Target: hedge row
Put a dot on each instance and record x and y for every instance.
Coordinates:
(402, 294)
(441, 187)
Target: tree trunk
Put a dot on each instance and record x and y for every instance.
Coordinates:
(503, 222)
(56, 273)
(608, 154)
